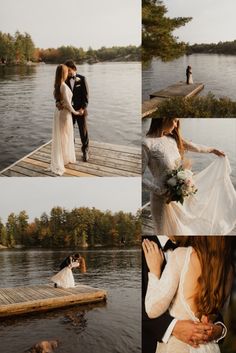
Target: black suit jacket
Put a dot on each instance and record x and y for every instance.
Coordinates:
(66, 262)
(80, 92)
(152, 329)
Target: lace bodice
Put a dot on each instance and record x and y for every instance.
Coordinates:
(67, 97)
(175, 291)
(161, 155)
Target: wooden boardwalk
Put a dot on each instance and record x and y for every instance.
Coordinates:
(105, 160)
(22, 300)
(180, 89)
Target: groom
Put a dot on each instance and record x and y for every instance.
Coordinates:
(161, 328)
(79, 88)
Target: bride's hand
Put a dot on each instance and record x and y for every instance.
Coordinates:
(218, 152)
(154, 256)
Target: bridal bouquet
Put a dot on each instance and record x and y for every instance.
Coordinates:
(180, 184)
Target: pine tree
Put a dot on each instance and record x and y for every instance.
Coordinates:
(158, 40)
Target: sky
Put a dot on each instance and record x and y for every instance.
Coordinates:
(80, 23)
(213, 20)
(38, 195)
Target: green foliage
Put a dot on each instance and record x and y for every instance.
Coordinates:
(196, 107)
(80, 227)
(213, 48)
(60, 55)
(19, 49)
(16, 49)
(158, 40)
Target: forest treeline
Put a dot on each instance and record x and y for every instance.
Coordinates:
(80, 227)
(20, 49)
(213, 48)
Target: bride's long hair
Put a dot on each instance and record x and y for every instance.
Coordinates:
(61, 76)
(159, 124)
(214, 283)
(82, 267)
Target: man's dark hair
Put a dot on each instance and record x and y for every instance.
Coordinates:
(71, 64)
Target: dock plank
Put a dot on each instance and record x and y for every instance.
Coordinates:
(105, 160)
(21, 300)
(179, 89)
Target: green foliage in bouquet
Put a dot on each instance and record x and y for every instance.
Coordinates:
(180, 184)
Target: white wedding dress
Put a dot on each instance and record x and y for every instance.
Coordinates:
(63, 149)
(190, 80)
(171, 292)
(65, 278)
(211, 211)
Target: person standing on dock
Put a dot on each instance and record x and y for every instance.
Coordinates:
(189, 76)
(78, 85)
(63, 147)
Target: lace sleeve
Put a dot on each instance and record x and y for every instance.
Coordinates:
(160, 292)
(66, 99)
(146, 183)
(193, 147)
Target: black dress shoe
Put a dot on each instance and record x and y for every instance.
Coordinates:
(85, 156)
(55, 285)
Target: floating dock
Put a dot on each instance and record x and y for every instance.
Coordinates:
(22, 300)
(180, 89)
(105, 160)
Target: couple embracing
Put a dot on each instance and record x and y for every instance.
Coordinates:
(186, 283)
(71, 96)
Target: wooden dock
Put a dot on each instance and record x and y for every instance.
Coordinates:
(180, 89)
(22, 300)
(105, 160)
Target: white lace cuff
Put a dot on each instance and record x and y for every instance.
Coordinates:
(169, 331)
(224, 332)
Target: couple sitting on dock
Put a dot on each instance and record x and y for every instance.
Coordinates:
(71, 95)
(64, 278)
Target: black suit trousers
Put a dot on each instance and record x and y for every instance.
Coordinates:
(83, 131)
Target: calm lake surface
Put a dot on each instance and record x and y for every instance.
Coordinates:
(218, 133)
(114, 327)
(217, 72)
(27, 106)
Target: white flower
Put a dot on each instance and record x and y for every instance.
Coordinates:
(172, 181)
(77, 79)
(184, 174)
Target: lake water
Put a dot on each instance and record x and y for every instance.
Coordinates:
(218, 133)
(27, 106)
(112, 327)
(217, 72)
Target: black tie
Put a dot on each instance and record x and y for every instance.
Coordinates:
(169, 246)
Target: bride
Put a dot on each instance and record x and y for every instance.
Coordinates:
(65, 278)
(195, 284)
(63, 149)
(211, 210)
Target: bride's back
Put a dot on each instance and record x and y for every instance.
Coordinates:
(183, 305)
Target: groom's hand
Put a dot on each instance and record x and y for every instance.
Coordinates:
(192, 333)
(217, 329)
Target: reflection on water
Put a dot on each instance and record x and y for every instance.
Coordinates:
(27, 106)
(114, 326)
(217, 72)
